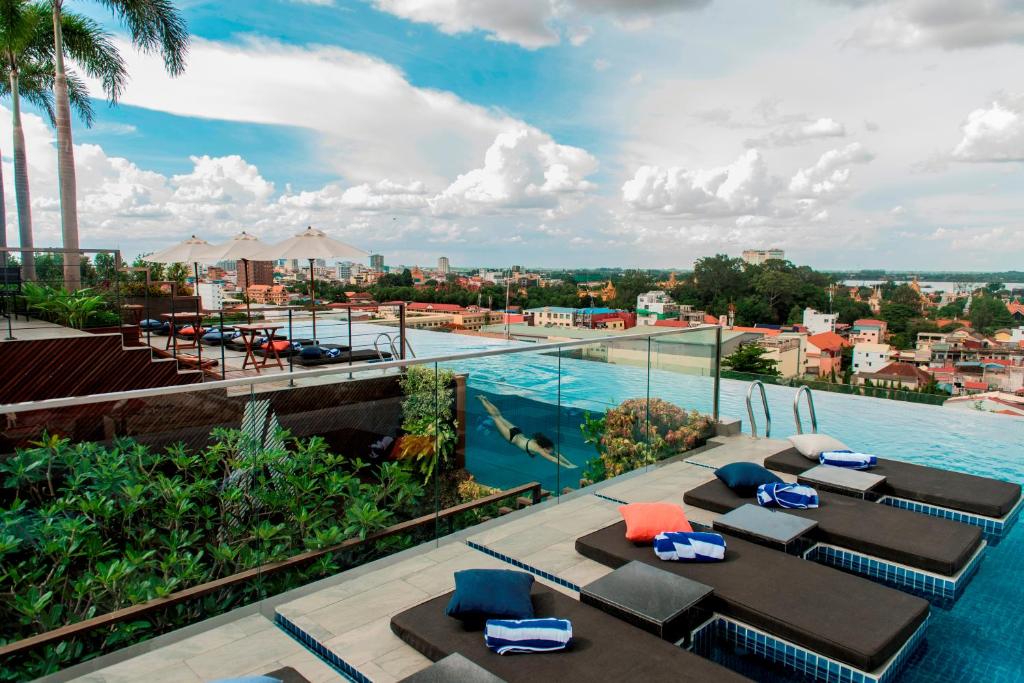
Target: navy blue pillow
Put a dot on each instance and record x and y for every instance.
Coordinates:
(481, 594)
(311, 352)
(744, 477)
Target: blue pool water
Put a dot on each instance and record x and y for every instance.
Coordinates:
(979, 639)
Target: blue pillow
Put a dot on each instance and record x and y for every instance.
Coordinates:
(311, 352)
(744, 477)
(481, 594)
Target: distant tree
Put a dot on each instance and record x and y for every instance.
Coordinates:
(632, 284)
(905, 295)
(750, 359)
(406, 278)
(897, 315)
(994, 287)
(954, 309)
(796, 315)
(989, 314)
(849, 310)
(751, 310)
(719, 279)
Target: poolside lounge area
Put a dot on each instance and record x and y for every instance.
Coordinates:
(341, 625)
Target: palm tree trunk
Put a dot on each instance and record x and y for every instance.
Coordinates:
(24, 201)
(65, 160)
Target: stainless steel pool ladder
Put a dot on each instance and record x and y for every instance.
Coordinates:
(750, 409)
(392, 346)
(810, 408)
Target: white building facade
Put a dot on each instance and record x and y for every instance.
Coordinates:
(870, 357)
(817, 322)
(654, 306)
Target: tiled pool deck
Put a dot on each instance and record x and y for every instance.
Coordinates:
(346, 617)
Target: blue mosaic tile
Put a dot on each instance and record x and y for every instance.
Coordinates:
(348, 671)
(940, 591)
(522, 565)
(614, 500)
(993, 529)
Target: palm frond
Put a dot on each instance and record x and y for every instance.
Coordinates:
(155, 26)
(91, 48)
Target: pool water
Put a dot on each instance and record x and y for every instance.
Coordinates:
(979, 639)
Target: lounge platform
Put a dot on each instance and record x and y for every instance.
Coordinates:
(990, 504)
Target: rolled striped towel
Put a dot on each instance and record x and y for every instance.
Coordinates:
(848, 459)
(689, 546)
(793, 496)
(332, 353)
(506, 636)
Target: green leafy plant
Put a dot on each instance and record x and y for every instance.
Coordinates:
(640, 432)
(71, 309)
(428, 415)
(89, 528)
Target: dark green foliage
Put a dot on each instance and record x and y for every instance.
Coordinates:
(989, 314)
(88, 529)
(750, 358)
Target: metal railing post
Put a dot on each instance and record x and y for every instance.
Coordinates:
(350, 333)
(718, 374)
(174, 328)
(401, 331)
(223, 354)
(291, 351)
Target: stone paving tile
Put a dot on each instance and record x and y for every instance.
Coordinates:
(258, 650)
(386, 599)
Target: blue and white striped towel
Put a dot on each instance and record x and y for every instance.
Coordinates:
(506, 636)
(689, 546)
(790, 496)
(332, 353)
(848, 459)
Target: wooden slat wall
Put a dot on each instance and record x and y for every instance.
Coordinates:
(34, 370)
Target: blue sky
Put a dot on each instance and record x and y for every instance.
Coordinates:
(569, 132)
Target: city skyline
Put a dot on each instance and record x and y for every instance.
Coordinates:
(839, 131)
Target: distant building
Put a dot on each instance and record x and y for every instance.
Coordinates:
(267, 294)
(756, 257)
(212, 295)
(654, 306)
(442, 265)
(870, 358)
(553, 316)
(817, 322)
(254, 273)
(343, 271)
(824, 354)
(377, 262)
(903, 375)
(869, 331)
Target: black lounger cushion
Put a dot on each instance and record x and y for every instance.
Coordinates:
(819, 608)
(955, 490)
(930, 543)
(603, 648)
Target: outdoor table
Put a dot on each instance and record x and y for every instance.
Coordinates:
(843, 480)
(249, 333)
(454, 667)
(173, 319)
(760, 525)
(658, 601)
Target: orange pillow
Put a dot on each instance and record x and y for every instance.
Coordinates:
(644, 521)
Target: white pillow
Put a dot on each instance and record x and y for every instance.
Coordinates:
(811, 445)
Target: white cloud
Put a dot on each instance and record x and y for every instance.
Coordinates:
(995, 133)
(369, 121)
(947, 24)
(743, 187)
(799, 133)
(530, 24)
(601, 64)
(830, 174)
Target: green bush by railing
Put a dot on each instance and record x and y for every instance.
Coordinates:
(874, 391)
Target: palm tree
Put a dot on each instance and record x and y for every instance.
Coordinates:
(26, 71)
(154, 26)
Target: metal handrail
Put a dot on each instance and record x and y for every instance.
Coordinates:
(370, 366)
(750, 409)
(810, 406)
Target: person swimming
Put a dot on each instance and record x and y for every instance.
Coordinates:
(538, 444)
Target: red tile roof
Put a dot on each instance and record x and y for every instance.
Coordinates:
(671, 323)
(1014, 308)
(869, 321)
(976, 385)
(435, 308)
(828, 341)
(766, 331)
(903, 371)
(710, 319)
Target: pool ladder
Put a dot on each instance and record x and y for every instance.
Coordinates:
(750, 409)
(810, 408)
(392, 346)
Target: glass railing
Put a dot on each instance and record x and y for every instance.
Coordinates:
(131, 514)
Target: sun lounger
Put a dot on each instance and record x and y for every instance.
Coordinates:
(356, 356)
(603, 648)
(927, 543)
(826, 611)
(931, 485)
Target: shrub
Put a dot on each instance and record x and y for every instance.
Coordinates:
(87, 529)
(640, 432)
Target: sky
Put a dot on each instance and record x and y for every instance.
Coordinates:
(564, 133)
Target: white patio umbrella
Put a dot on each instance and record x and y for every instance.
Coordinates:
(310, 245)
(242, 247)
(192, 250)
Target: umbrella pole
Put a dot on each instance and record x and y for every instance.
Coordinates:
(245, 294)
(312, 295)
